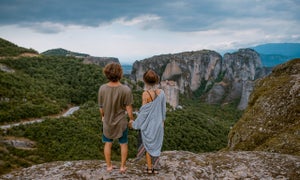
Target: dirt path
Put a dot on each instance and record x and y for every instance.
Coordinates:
(66, 113)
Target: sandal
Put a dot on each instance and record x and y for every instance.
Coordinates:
(148, 171)
(155, 171)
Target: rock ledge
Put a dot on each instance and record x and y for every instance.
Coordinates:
(175, 165)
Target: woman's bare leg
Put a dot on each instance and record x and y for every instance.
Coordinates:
(149, 162)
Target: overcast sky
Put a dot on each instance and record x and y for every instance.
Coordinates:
(136, 29)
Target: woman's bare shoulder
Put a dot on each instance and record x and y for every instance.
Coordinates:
(145, 94)
(158, 91)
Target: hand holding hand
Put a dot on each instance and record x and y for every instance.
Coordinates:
(130, 123)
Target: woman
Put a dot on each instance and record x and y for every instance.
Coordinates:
(114, 99)
(150, 121)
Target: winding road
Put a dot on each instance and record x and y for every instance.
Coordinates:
(67, 113)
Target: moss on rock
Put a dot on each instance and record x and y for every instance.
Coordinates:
(272, 120)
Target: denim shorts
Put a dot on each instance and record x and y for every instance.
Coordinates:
(122, 140)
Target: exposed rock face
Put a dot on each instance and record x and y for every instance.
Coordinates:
(240, 69)
(271, 121)
(224, 80)
(101, 61)
(20, 143)
(5, 68)
(175, 165)
(216, 93)
(187, 69)
(171, 90)
(246, 91)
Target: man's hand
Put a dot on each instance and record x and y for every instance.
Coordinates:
(130, 124)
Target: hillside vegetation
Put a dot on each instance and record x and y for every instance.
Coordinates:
(8, 49)
(196, 128)
(46, 85)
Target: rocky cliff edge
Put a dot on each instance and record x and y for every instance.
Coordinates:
(175, 165)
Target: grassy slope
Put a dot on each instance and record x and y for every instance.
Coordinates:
(271, 120)
(8, 49)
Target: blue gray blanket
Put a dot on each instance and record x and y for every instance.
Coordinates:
(150, 121)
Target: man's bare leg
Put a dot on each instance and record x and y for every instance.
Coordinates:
(107, 154)
(124, 153)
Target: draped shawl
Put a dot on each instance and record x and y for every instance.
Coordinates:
(150, 121)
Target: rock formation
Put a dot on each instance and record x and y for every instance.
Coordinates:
(271, 121)
(5, 68)
(101, 61)
(239, 70)
(171, 90)
(187, 70)
(174, 165)
(224, 80)
(19, 143)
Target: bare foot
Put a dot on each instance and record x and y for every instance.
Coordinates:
(123, 169)
(109, 169)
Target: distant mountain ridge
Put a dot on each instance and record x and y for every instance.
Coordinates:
(285, 49)
(273, 54)
(63, 52)
(87, 59)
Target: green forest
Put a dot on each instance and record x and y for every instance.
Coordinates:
(46, 85)
(8, 49)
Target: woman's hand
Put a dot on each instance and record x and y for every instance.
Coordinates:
(130, 124)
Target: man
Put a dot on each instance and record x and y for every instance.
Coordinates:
(114, 100)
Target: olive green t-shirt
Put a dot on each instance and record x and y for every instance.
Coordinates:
(113, 101)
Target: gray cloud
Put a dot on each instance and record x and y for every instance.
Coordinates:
(187, 15)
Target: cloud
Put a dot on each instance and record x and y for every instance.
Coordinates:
(46, 27)
(88, 13)
(135, 29)
(146, 21)
(174, 15)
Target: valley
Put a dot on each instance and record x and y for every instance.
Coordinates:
(200, 134)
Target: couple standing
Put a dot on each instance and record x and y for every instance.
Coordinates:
(114, 100)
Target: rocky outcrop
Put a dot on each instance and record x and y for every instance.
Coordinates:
(19, 143)
(239, 70)
(101, 61)
(5, 68)
(175, 165)
(171, 91)
(271, 121)
(188, 69)
(220, 80)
